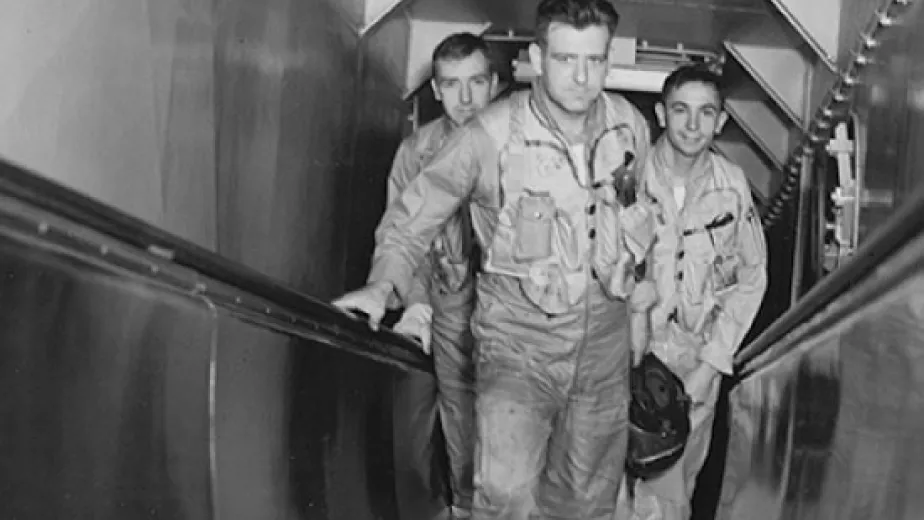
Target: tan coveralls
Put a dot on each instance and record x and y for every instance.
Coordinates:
(551, 321)
(709, 266)
(445, 281)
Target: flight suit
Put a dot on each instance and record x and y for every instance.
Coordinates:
(709, 266)
(445, 282)
(552, 355)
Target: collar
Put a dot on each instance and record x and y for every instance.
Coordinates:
(661, 160)
(658, 183)
(448, 125)
(594, 125)
(443, 127)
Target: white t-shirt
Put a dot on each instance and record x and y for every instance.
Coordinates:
(680, 194)
(577, 152)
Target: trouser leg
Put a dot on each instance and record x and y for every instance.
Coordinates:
(455, 372)
(513, 417)
(417, 479)
(568, 370)
(588, 445)
(669, 496)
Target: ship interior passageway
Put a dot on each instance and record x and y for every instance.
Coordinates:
(185, 185)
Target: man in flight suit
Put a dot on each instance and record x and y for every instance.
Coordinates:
(708, 265)
(439, 306)
(536, 171)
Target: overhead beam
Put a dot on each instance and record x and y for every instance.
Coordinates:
(755, 115)
(818, 22)
(377, 11)
(774, 58)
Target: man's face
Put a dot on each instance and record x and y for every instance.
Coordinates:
(692, 116)
(573, 65)
(464, 86)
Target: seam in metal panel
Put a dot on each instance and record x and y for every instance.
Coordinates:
(212, 408)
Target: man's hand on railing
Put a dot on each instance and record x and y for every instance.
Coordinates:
(415, 322)
(370, 300)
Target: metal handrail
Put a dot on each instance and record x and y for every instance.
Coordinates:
(905, 224)
(66, 216)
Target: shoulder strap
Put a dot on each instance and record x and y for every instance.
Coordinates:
(513, 158)
(504, 123)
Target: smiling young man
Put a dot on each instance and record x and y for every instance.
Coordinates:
(439, 306)
(536, 172)
(708, 265)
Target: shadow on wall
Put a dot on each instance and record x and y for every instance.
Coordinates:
(306, 132)
(341, 462)
(376, 142)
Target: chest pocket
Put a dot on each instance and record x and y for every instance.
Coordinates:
(722, 230)
(713, 241)
(535, 221)
(543, 227)
(535, 239)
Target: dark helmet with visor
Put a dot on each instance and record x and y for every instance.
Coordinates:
(659, 419)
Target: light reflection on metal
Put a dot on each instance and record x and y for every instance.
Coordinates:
(884, 20)
(821, 425)
(860, 59)
(869, 41)
(841, 91)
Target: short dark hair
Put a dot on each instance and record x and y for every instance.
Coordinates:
(459, 46)
(576, 13)
(694, 73)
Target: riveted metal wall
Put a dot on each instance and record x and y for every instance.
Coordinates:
(890, 101)
(826, 422)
